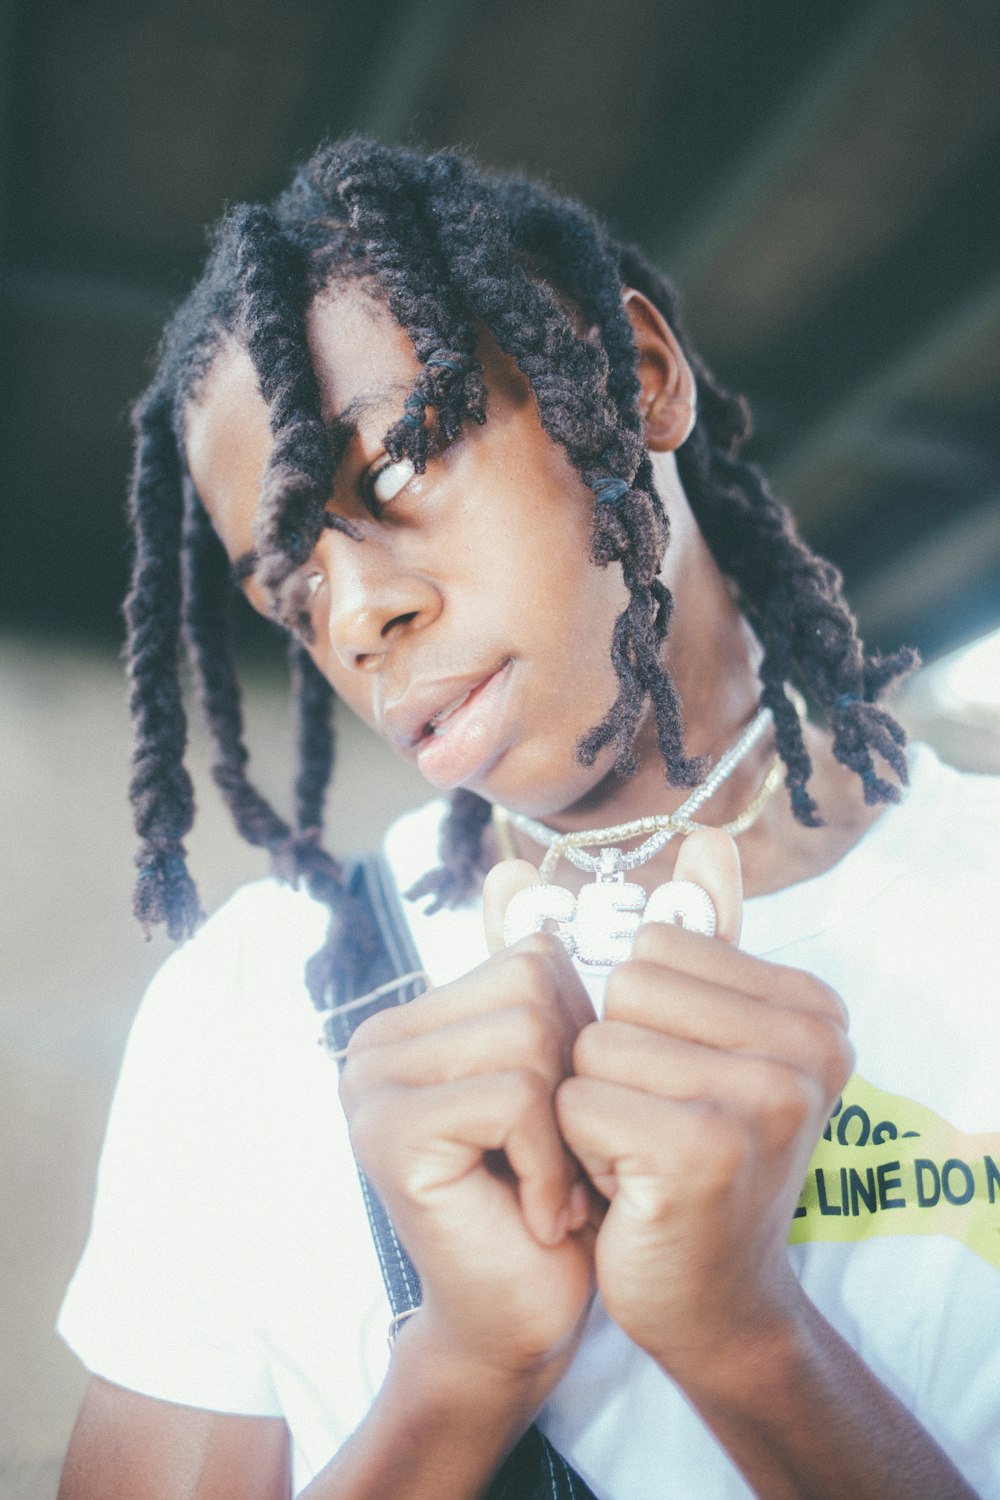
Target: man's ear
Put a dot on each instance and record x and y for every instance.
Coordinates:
(668, 401)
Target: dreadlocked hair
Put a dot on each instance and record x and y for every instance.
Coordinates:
(450, 251)
(793, 598)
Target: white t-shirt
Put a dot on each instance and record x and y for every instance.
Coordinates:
(230, 1264)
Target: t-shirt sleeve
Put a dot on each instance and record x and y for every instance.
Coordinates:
(166, 1298)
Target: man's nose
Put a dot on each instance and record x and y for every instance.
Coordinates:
(373, 600)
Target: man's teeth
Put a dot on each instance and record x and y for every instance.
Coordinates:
(444, 714)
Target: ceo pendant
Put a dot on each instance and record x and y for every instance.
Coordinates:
(599, 926)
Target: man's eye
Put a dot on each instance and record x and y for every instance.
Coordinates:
(388, 482)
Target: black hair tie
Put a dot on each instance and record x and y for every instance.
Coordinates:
(165, 867)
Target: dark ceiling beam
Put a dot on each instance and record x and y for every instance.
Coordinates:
(813, 473)
(820, 199)
(800, 124)
(937, 571)
(105, 299)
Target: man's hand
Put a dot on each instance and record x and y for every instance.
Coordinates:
(695, 1107)
(450, 1102)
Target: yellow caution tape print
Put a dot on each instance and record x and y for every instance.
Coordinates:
(887, 1165)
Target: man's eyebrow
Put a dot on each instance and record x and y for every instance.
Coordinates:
(364, 404)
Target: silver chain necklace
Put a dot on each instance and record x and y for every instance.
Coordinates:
(600, 924)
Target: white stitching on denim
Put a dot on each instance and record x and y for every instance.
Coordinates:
(552, 1472)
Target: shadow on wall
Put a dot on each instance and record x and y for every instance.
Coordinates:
(73, 964)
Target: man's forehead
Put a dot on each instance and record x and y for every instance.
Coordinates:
(228, 426)
(360, 355)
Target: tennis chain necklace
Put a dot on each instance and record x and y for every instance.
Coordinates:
(599, 925)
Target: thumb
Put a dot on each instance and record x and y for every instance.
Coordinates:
(501, 884)
(711, 859)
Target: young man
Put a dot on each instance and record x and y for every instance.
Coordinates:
(442, 428)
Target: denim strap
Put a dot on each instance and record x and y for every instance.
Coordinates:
(533, 1470)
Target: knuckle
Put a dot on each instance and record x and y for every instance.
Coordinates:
(530, 967)
(587, 1048)
(537, 1038)
(621, 982)
(527, 1088)
(571, 1098)
(654, 940)
(821, 998)
(719, 1153)
(792, 1098)
(367, 1125)
(836, 1061)
(828, 1049)
(372, 1031)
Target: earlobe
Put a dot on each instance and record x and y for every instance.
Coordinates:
(668, 401)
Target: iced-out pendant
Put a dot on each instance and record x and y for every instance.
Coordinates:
(599, 926)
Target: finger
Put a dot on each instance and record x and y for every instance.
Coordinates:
(690, 1008)
(428, 1139)
(775, 1094)
(711, 859)
(500, 886)
(516, 1036)
(614, 1132)
(536, 971)
(722, 964)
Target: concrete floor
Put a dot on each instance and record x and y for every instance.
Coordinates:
(73, 965)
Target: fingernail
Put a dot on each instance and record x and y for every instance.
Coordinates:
(579, 1206)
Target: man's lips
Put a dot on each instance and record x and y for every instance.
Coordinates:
(408, 721)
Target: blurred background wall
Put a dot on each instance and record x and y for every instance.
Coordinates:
(821, 180)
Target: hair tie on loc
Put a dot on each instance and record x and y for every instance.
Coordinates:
(845, 700)
(610, 491)
(800, 797)
(412, 420)
(454, 362)
(168, 867)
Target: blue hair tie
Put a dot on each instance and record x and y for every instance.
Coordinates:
(846, 699)
(172, 868)
(610, 491)
(412, 420)
(452, 362)
(294, 545)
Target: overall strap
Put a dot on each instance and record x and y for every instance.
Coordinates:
(533, 1470)
(393, 976)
